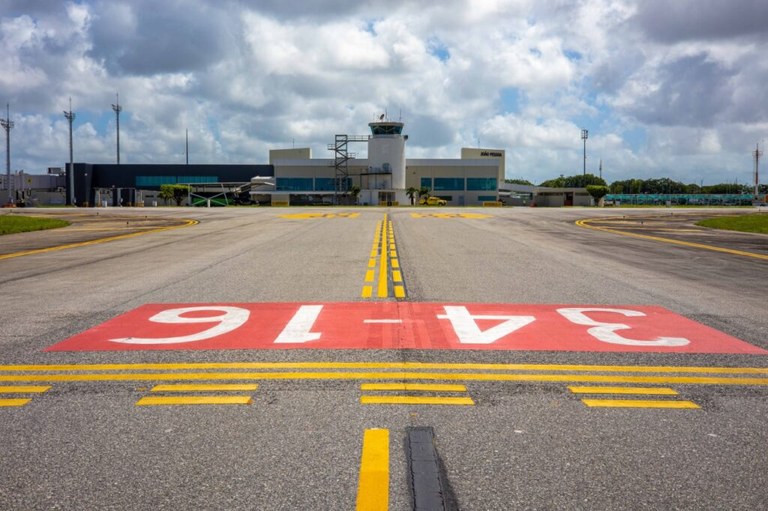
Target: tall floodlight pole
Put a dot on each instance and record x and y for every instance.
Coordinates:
(117, 108)
(7, 125)
(757, 154)
(584, 135)
(186, 146)
(70, 115)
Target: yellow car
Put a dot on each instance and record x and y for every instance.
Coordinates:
(433, 201)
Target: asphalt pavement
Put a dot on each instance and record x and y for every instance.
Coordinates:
(513, 426)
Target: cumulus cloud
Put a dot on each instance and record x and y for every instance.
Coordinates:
(244, 77)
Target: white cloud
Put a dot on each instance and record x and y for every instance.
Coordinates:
(244, 77)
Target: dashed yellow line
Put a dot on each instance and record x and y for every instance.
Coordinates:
(384, 255)
(187, 223)
(14, 402)
(24, 389)
(193, 400)
(416, 400)
(659, 391)
(585, 223)
(638, 403)
(427, 387)
(205, 387)
(383, 290)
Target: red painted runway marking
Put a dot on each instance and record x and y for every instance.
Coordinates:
(401, 325)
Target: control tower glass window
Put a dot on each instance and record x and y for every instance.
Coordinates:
(386, 129)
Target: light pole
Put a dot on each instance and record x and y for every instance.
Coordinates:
(757, 154)
(70, 115)
(584, 136)
(117, 108)
(7, 124)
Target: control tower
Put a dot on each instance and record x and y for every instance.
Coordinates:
(386, 162)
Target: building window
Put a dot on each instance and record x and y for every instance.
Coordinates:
(326, 184)
(154, 180)
(197, 179)
(481, 183)
(293, 184)
(426, 182)
(449, 183)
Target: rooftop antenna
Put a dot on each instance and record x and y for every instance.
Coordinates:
(7, 125)
(70, 115)
(117, 108)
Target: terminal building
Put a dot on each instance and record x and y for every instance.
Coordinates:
(292, 177)
(386, 176)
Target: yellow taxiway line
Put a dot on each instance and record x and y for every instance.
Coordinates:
(382, 365)
(393, 375)
(373, 482)
(584, 223)
(186, 223)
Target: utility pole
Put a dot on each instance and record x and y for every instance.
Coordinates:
(7, 125)
(584, 135)
(601, 168)
(117, 108)
(70, 115)
(757, 154)
(186, 146)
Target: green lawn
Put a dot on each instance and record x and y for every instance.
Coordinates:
(745, 223)
(11, 224)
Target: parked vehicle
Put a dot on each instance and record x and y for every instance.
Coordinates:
(432, 201)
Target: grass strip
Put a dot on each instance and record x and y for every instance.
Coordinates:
(12, 224)
(744, 223)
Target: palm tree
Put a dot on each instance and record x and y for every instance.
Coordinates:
(411, 193)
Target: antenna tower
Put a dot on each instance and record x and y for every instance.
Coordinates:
(117, 108)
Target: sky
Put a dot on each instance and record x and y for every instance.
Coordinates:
(665, 88)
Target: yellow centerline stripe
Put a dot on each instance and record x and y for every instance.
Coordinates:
(395, 375)
(210, 387)
(384, 365)
(373, 481)
(637, 403)
(416, 400)
(193, 400)
(428, 387)
(383, 289)
(659, 391)
(584, 223)
(186, 223)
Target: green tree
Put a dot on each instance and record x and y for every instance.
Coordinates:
(519, 182)
(411, 193)
(577, 181)
(597, 192)
(176, 193)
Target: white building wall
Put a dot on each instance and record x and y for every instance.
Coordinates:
(387, 153)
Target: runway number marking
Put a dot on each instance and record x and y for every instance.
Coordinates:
(393, 325)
